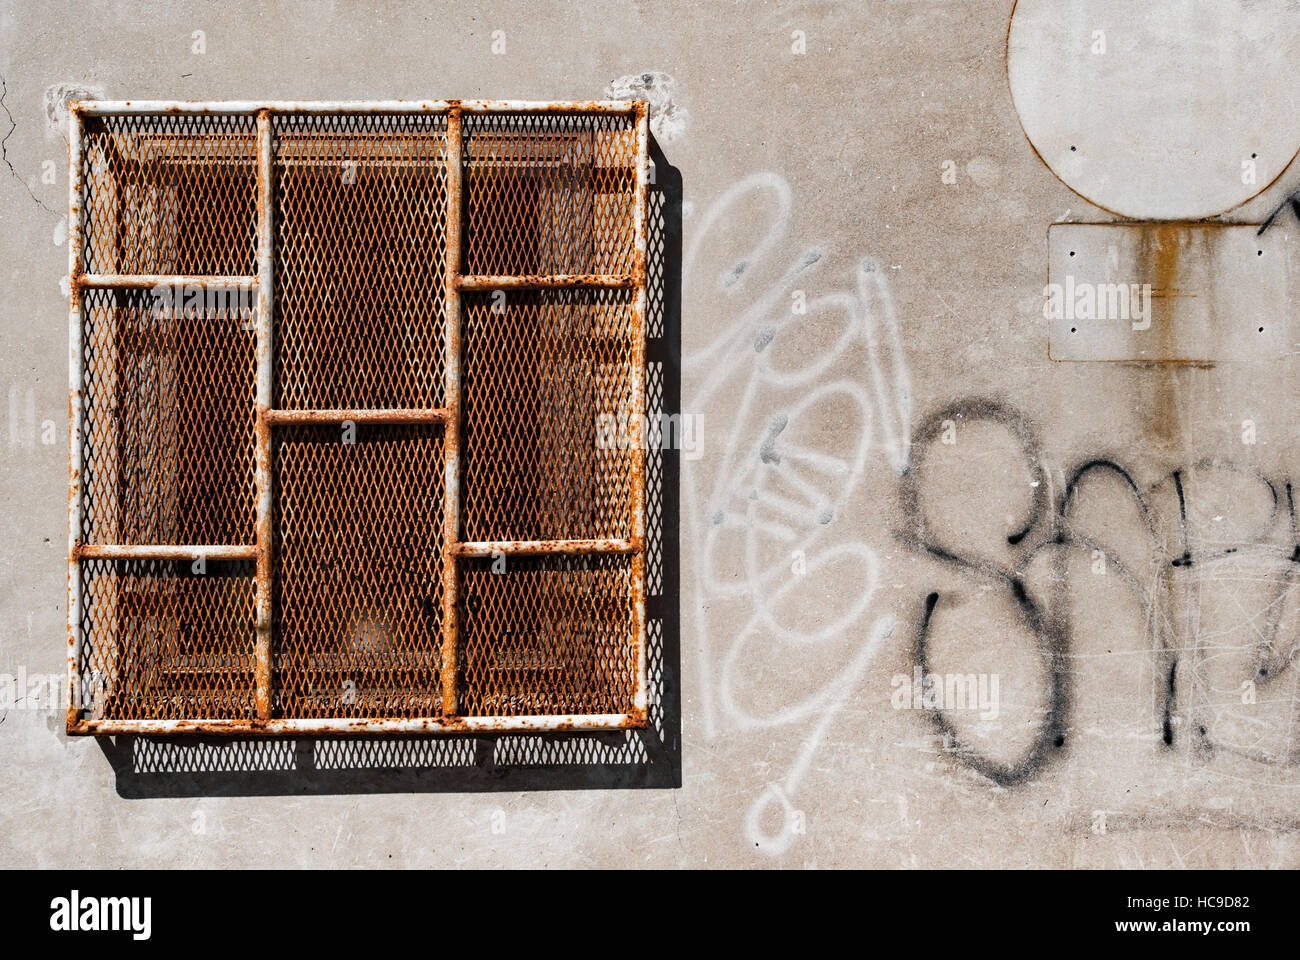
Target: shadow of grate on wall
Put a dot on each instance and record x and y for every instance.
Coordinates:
(147, 766)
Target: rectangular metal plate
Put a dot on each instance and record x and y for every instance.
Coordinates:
(1168, 293)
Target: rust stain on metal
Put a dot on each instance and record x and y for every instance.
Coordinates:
(76, 372)
(435, 304)
(534, 548)
(617, 281)
(329, 107)
(638, 364)
(152, 281)
(632, 720)
(264, 402)
(452, 266)
(404, 416)
(92, 551)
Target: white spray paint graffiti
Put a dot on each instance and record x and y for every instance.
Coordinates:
(773, 492)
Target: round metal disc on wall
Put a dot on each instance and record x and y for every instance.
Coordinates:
(1159, 109)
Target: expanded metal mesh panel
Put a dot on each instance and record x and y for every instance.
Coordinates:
(162, 641)
(361, 205)
(169, 194)
(547, 398)
(359, 572)
(548, 635)
(549, 194)
(292, 509)
(168, 441)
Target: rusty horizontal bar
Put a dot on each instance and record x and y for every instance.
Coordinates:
(336, 725)
(147, 281)
(539, 282)
(391, 166)
(135, 107)
(549, 106)
(486, 548)
(285, 417)
(156, 551)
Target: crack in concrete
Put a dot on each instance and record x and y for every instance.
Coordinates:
(4, 148)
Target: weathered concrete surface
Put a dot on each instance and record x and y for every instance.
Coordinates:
(808, 549)
(1165, 281)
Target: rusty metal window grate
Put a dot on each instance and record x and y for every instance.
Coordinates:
(342, 383)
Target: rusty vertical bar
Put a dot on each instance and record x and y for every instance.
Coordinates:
(639, 272)
(262, 469)
(451, 430)
(75, 362)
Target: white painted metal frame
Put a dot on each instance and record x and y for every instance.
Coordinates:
(267, 417)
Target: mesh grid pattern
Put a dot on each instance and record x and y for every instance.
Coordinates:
(162, 642)
(169, 194)
(360, 231)
(546, 399)
(549, 194)
(170, 431)
(167, 438)
(359, 572)
(547, 635)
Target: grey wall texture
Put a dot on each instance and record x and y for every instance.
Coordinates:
(887, 487)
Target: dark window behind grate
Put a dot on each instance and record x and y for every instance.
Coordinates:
(357, 394)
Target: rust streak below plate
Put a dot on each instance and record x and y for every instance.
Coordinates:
(1168, 293)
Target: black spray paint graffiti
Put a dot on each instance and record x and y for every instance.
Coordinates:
(1048, 526)
(1293, 202)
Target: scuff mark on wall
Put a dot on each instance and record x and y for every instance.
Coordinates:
(668, 118)
(56, 100)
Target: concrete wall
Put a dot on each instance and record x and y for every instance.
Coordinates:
(879, 477)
